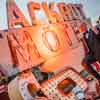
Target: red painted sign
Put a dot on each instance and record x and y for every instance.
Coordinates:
(38, 43)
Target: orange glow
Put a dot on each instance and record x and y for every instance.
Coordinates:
(51, 41)
(48, 45)
(83, 28)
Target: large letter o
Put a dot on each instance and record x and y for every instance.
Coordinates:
(51, 41)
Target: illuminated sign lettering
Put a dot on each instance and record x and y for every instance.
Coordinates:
(15, 16)
(51, 41)
(68, 12)
(36, 43)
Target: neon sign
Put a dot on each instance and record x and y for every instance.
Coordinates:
(58, 87)
(36, 43)
(50, 39)
(67, 12)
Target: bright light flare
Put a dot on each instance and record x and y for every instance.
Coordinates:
(51, 41)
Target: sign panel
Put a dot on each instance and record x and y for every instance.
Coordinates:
(41, 43)
(55, 44)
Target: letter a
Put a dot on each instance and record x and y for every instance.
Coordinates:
(15, 16)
